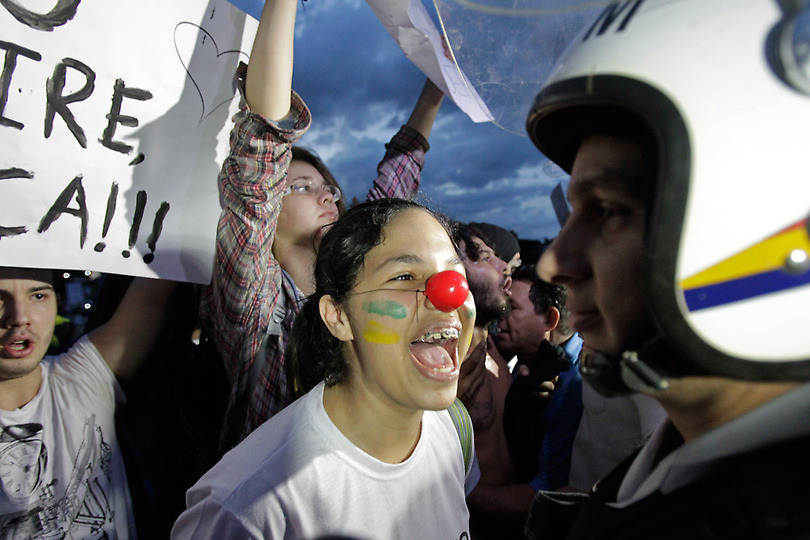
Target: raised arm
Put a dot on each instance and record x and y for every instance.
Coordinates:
(426, 109)
(269, 76)
(398, 174)
(127, 338)
(247, 283)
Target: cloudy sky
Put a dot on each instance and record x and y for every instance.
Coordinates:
(361, 88)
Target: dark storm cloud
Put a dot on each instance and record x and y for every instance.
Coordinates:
(346, 59)
(361, 88)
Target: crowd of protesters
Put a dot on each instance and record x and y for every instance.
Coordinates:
(385, 371)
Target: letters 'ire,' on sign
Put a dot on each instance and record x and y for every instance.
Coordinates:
(113, 122)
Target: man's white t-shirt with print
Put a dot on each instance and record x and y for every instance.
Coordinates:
(61, 470)
(298, 476)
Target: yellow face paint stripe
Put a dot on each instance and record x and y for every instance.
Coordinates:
(766, 256)
(377, 333)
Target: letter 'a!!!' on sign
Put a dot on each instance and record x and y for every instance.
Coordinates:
(447, 290)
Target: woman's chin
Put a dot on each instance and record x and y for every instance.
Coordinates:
(442, 398)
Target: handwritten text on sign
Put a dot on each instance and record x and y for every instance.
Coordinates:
(113, 122)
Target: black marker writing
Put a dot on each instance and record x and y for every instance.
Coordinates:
(73, 200)
(57, 103)
(115, 117)
(157, 228)
(62, 12)
(207, 108)
(140, 205)
(8, 174)
(12, 231)
(60, 206)
(111, 201)
(15, 172)
(12, 51)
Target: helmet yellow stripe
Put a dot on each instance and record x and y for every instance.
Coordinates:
(766, 256)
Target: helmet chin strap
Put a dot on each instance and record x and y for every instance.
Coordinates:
(629, 373)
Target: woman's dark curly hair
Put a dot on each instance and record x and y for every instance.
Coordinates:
(313, 353)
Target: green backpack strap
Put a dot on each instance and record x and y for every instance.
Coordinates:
(463, 424)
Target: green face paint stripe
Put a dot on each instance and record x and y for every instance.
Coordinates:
(386, 308)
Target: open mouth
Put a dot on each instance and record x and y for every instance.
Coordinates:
(435, 354)
(17, 348)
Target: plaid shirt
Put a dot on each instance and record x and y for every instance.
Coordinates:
(248, 285)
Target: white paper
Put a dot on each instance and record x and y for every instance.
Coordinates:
(410, 25)
(153, 120)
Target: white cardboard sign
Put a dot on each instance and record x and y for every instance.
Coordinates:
(114, 119)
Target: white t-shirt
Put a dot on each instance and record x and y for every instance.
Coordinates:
(61, 470)
(298, 476)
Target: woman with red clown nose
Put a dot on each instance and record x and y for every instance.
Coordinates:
(371, 449)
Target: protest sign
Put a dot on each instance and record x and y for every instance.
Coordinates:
(113, 123)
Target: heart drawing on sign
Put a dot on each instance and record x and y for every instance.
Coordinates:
(205, 65)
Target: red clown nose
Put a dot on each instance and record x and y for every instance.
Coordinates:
(447, 290)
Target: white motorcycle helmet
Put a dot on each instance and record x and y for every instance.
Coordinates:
(723, 89)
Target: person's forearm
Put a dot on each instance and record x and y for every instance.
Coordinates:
(399, 172)
(426, 109)
(269, 77)
(128, 337)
